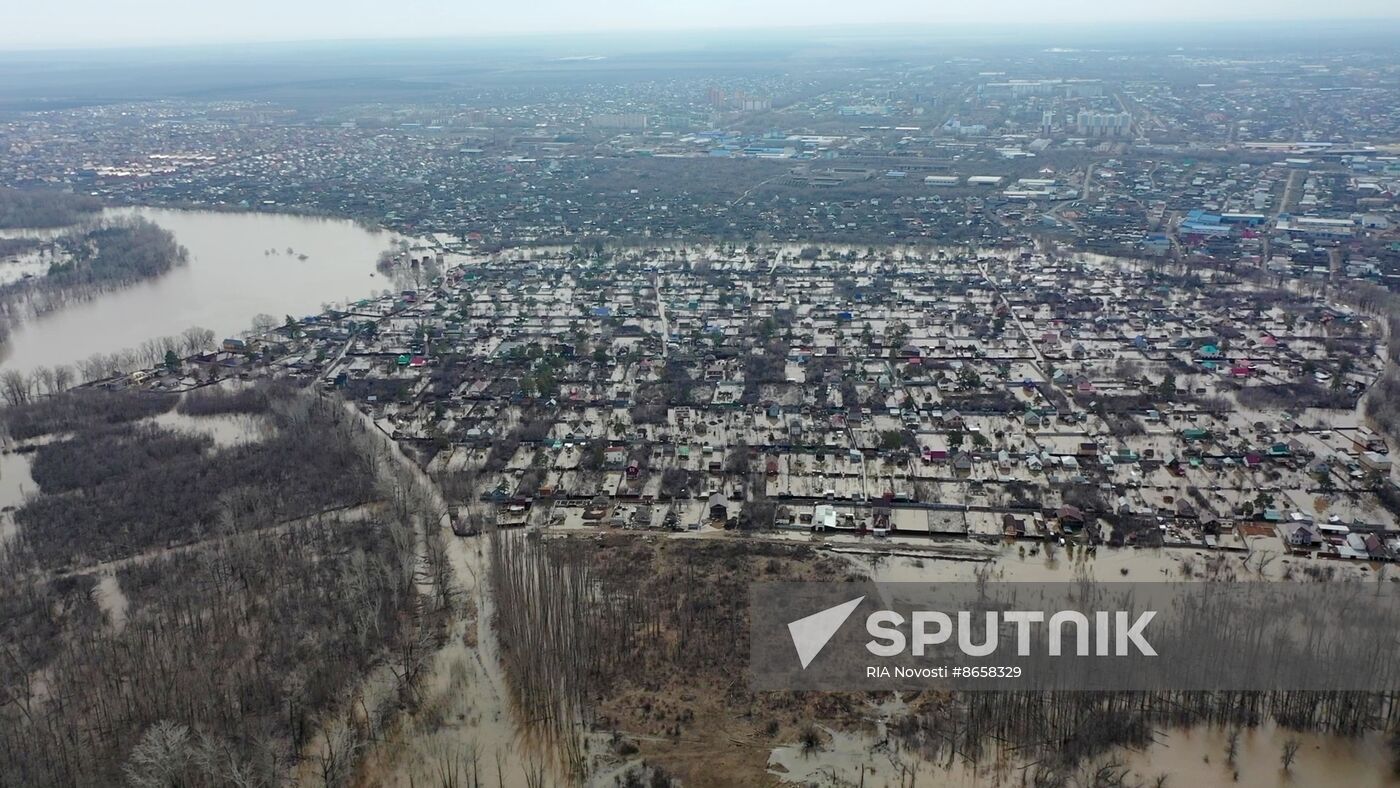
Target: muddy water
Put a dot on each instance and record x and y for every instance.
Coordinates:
(1196, 757)
(1190, 757)
(467, 717)
(1009, 564)
(230, 278)
(15, 485)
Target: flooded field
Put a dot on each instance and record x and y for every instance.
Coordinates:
(241, 265)
(1198, 757)
(225, 429)
(1187, 757)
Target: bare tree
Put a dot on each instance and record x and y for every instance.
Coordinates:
(341, 747)
(43, 380)
(1290, 751)
(161, 757)
(196, 339)
(62, 377)
(1262, 559)
(15, 387)
(263, 324)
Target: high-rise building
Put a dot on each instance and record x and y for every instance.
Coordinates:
(1091, 123)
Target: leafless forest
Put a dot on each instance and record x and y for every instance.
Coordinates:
(143, 488)
(646, 640)
(238, 658)
(34, 208)
(89, 261)
(649, 640)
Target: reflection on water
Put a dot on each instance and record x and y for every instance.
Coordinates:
(1190, 757)
(226, 429)
(230, 278)
(1197, 757)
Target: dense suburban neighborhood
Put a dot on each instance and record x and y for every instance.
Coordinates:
(911, 394)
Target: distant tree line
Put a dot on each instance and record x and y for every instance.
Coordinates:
(116, 253)
(13, 246)
(82, 410)
(44, 208)
(221, 400)
(19, 388)
(102, 258)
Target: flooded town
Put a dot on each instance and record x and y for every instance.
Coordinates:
(910, 395)
(444, 416)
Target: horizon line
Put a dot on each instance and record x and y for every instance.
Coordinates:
(884, 29)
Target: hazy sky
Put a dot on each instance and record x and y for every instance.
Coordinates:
(62, 23)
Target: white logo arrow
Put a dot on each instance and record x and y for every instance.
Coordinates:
(811, 634)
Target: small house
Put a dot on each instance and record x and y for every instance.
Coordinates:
(1302, 534)
(717, 507)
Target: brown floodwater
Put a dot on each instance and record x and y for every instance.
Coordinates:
(230, 278)
(1192, 757)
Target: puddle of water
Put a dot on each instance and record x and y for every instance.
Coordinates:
(845, 759)
(226, 429)
(15, 482)
(857, 757)
(15, 485)
(112, 601)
